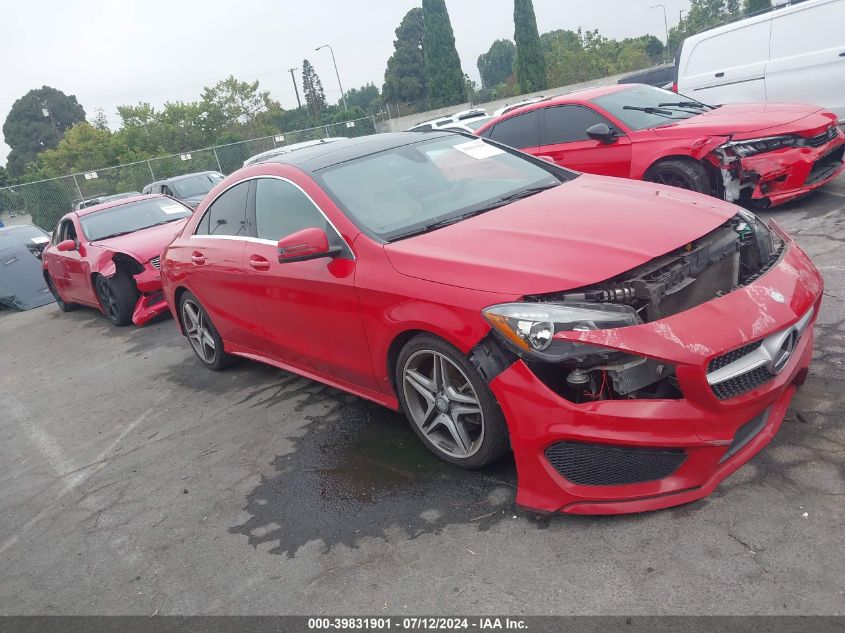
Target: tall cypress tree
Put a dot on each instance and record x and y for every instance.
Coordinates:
(404, 79)
(530, 65)
(313, 89)
(442, 64)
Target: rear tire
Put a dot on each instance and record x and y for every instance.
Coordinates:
(63, 305)
(204, 338)
(685, 174)
(118, 297)
(458, 419)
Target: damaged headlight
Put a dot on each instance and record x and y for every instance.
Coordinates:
(530, 327)
(755, 146)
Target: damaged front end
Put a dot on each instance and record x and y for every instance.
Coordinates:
(772, 170)
(147, 281)
(727, 258)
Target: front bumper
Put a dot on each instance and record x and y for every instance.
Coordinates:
(151, 303)
(700, 427)
(786, 174)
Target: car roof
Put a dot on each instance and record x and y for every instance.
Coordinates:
(576, 96)
(183, 177)
(116, 203)
(20, 226)
(317, 157)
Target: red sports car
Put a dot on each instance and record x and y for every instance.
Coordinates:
(107, 257)
(759, 153)
(632, 343)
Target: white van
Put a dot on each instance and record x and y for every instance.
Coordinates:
(795, 53)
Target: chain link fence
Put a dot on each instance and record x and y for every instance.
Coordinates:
(46, 201)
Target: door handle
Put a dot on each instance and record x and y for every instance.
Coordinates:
(198, 258)
(720, 74)
(259, 263)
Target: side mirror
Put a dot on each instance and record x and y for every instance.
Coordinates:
(305, 244)
(601, 132)
(66, 245)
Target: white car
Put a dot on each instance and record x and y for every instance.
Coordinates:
(795, 53)
(286, 149)
(518, 104)
(463, 121)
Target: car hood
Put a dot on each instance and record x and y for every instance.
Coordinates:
(582, 232)
(194, 201)
(748, 118)
(21, 280)
(145, 244)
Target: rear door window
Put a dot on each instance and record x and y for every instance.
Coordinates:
(519, 131)
(227, 214)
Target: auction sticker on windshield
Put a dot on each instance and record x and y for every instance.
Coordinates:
(479, 150)
(173, 208)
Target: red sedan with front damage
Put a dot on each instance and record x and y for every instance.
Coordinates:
(107, 257)
(762, 154)
(632, 343)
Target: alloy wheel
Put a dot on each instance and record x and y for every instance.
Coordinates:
(673, 180)
(108, 300)
(198, 331)
(443, 403)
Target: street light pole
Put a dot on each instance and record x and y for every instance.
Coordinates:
(295, 89)
(342, 94)
(665, 20)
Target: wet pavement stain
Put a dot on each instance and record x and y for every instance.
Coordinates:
(359, 471)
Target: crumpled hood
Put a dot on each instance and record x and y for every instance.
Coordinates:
(582, 232)
(145, 244)
(748, 118)
(21, 281)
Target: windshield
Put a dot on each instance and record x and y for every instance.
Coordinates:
(643, 107)
(476, 123)
(17, 235)
(195, 185)
(128, 218)
(405, 190)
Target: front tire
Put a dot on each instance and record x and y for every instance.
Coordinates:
(64, 306)
(204, 338)
(685, 174)
(448, 403)
(118, 296)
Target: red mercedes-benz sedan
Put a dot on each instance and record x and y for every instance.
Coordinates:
(632, 343)
(759, 153)
(107, 257)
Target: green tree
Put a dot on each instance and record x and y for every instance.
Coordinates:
(366, 97)
(496, 65)
(405, 79)
(702, 15)
(4, 177)
(233, 105)
(28, 130)
(442, 63)
(530, 65)
(83, 148)
(753, 6)
(312, 88)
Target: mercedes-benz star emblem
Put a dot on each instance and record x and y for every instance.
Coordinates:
(783, 352)
(774, 294)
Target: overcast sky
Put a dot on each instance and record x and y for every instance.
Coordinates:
(114, 52)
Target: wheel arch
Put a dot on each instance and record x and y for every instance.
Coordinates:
(401, 338)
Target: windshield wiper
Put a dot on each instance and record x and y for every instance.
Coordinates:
(495, 204)
(688, 104)
(649, 110)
